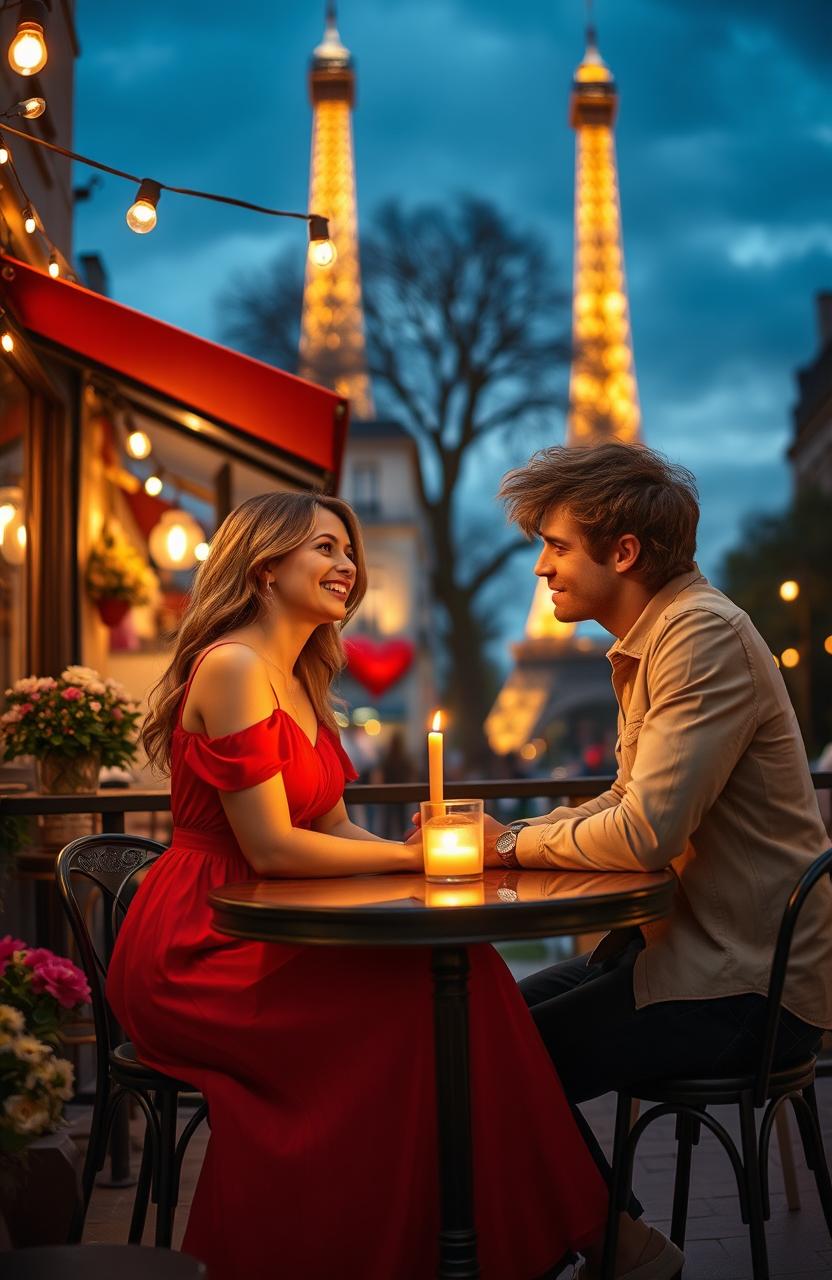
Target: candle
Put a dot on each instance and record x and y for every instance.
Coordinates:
(452, 851)
(435, 761)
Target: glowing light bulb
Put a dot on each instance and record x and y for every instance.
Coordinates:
(790, 657)
(201, 551)
(7, 513)
(138, 444)
(323, 253)
(54, 267)
(32, 108)
(141, 216)
(827, 644)
(30, 224)
(176, 539)
(27, 51)
(7, 342)
(789, 590)
(4, 152)
(153, 486)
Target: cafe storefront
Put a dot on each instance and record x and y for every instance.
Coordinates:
(116, 426)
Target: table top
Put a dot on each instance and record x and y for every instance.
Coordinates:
(406, 910)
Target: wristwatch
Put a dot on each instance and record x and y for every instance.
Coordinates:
(506, 843)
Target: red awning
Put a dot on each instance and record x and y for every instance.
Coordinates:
(273, 407)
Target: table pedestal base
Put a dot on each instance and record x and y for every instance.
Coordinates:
(457, 1236)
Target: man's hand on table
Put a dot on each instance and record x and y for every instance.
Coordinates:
(491, 830)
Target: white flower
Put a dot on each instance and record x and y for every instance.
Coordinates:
(28, 1115)
(11, 1019)
(61, 1079)
(30, 1049)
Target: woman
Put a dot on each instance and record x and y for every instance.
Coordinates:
(317, 1063)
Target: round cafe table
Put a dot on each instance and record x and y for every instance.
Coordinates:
(405, 910)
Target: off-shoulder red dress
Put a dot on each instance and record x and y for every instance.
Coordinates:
(317, 1062)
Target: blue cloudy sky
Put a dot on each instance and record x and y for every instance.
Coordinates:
(724, 148)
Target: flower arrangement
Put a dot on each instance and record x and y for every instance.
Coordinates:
(117, 571)
(38, 991)
(77, 714)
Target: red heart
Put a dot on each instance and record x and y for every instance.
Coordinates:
(378, 664)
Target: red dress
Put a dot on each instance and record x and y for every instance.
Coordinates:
(317, 1062)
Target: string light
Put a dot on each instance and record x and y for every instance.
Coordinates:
(153, 485)
(27, 52)
(4, 151)
(7, 342)
(30, 222)
(54, 267)
(322, 250)
(138, 444)
(141, 216)
(149, 191)
(31, 108)
(202, 551)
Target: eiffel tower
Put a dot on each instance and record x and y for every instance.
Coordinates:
(332, 351)
(555, 671)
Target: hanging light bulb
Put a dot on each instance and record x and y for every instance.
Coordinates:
(322, 250)
(138, 444)
(54, 267)
(27, 51)
(30, 222)
(7, 342)
(4, 151)
(153, 485)
(202, 551)
(12, 526)
(141, 216)
(173, 541)
(31, 108)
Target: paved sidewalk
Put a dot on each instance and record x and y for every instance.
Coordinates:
(717, 1246)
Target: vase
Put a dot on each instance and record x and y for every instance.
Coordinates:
(112, 611)
(40, 1193)
(62, 775)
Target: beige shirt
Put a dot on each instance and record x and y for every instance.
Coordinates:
(712, 781)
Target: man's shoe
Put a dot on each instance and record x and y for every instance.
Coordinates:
(666, 1265)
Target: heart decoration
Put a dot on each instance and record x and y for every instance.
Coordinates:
(378, 664)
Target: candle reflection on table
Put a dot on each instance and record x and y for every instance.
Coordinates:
(471, 894)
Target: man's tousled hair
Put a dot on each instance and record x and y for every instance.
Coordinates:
(608, 490)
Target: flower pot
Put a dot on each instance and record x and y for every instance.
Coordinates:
(62, 775)
(112, 611)
(40, 1192)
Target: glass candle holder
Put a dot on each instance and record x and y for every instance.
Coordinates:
(452, 839)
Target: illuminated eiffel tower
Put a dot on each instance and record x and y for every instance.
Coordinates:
(603, 394)
(557, 673)
(332, 351)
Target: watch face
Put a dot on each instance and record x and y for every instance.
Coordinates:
(505, 843)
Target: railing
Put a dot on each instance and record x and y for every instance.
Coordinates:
(114, 804)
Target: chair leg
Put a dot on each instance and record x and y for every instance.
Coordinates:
(166, 1102)
(784, 1144)
(619, 1183)
(142, 1196)
(812, 1138)
(686, 1135)
(753, 1188)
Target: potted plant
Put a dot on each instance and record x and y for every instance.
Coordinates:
(118, 577)
(39, 991)
(72, 726)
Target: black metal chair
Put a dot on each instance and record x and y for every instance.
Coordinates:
(113, 863)
(689, 1100)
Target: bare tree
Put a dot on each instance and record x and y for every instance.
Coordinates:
(258, 312)
(467, 343)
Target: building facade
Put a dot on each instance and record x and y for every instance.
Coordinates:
(810, 452)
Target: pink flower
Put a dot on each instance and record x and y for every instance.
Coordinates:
(35, 697)
(8, 946)
(95, 706)
(118, 714)
(26, 707)
(72, 694)
(59, 977)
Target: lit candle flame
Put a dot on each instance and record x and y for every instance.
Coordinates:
(437, 722)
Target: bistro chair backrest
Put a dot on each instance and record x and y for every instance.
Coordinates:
(820, 868)
(112, 863)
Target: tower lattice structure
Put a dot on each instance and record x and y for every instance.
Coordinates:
(603, 393)
(332, 347)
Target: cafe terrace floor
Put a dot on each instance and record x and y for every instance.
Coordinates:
(717, 1241)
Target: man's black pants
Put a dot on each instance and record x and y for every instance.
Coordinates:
(599, 1041)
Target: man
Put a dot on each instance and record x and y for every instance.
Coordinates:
(712, 782)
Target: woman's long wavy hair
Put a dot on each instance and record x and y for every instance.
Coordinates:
(229, 592)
